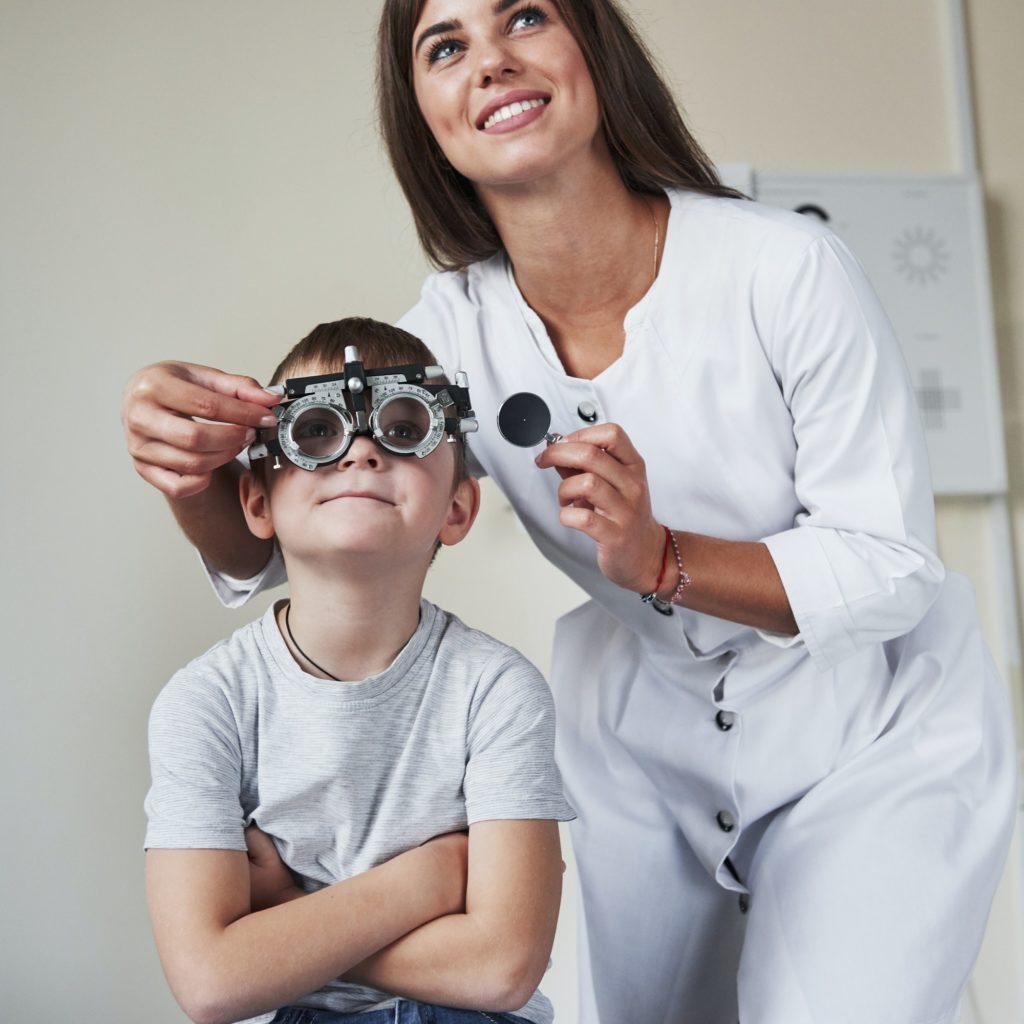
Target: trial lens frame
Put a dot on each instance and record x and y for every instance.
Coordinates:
(383, 385)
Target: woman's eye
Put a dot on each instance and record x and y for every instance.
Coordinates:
(445, 47)
(528, 17)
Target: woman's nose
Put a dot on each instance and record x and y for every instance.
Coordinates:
(496, 61)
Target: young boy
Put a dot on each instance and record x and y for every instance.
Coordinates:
(363, 729)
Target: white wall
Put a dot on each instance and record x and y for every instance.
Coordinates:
(202, 181)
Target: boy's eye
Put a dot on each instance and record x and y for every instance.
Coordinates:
(403, 422)
(317, 428)
(404, 431)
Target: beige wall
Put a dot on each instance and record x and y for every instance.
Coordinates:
(202, 181)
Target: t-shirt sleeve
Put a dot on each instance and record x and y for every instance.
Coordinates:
(510, 769)
(859, 566)
(194, 801)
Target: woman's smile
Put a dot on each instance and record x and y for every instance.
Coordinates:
(506, 113)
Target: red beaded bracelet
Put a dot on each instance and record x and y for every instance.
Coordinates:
(652, 596)
(684, 576)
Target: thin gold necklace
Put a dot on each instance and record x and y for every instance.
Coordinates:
(657, 238)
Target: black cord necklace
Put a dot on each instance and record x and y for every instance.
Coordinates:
(295, 644)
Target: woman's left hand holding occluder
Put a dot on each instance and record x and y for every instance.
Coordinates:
(604, 494)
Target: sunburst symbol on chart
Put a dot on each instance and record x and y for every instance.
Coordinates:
(920, 256)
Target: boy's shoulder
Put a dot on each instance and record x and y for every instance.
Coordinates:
(472, 641)
(482, 656)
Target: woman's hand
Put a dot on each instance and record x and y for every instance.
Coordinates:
(171, 449)
(604, 494)
(270, 880)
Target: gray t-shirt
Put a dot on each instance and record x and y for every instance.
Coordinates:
(458, 729)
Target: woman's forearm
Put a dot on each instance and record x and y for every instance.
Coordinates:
(734, 580)
(213, 522)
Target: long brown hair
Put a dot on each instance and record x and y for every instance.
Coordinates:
(644, 128)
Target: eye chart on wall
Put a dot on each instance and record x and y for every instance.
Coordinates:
(922, 242)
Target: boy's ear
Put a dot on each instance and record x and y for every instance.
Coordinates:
(256, 505)
(462, 510)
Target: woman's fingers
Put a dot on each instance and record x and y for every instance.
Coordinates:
(573, 458)
(153, 422)
(600, 529)
(588, 490)
(185, 462)
(182, 421)
(187, 390)
(168, 482)
(233, 385)
(578, 461)
(609, 438)
(604, 494)
(203, 400)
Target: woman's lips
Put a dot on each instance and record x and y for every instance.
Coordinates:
(511, 111)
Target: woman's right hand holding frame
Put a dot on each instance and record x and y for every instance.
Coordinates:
(183, 421)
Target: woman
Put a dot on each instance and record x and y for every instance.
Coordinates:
(803, 775)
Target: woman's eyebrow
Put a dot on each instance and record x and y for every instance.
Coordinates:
(440, 29)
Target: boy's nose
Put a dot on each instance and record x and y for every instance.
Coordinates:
(361, 452)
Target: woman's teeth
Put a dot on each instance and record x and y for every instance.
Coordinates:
(504, 113)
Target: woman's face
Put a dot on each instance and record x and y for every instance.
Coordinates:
(505, 90)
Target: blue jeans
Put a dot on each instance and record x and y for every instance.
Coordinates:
(403, 1012)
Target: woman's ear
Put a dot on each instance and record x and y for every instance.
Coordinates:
(252, 490)
(462, 510)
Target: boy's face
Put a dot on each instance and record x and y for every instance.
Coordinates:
(369, 501)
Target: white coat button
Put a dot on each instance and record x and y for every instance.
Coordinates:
(726, 822)
(587, 412)
(725, 720)
(744, 902)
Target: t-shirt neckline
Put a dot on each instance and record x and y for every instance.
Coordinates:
(348, 692)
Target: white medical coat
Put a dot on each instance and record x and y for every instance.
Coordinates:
(854, 785)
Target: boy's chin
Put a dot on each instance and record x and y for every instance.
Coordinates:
(354, 547)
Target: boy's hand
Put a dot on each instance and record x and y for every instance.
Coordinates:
(270, 880)
(450, 863)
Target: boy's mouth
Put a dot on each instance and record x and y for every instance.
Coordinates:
(359, 495)
(364, 495)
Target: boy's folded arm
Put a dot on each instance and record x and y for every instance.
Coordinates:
(493, 956)
(224, 963)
